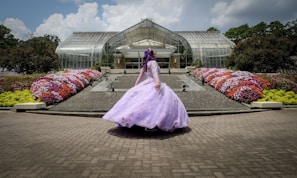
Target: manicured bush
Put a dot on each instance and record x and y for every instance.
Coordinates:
(9, 98)
(286, 97)
(281, 81)
(246, 87)
(54, 88)
(18, 82)
(241, 86)
(50, 88)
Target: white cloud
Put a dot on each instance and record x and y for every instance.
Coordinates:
(172, 14)
(114, 17)
(233, 13)
(227, 14)
(127, 13)
(18, 28)
(86, 19)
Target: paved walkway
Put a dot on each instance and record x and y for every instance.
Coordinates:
(197, 98)
(259, 144)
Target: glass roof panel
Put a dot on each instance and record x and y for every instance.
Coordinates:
(145, 34)
(84, 42)
(155, 36)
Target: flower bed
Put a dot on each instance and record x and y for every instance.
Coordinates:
(286, 97)
(54, 88)
(239, 85)
(281, 81)
(17, 82)
(8, 99)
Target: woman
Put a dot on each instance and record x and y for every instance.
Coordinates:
(150, 103)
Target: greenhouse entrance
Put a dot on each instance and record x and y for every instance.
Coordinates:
(135, 63)
(133, 58)
(132, 63)
(125, 49)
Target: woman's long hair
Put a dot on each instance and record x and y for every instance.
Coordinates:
(149, 55)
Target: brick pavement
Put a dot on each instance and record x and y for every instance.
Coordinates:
(260, 144)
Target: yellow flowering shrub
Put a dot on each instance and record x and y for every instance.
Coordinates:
(286, 97)
(8, 99)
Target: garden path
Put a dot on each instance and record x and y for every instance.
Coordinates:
(98, 98)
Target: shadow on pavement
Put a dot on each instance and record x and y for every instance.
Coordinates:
(136, 132)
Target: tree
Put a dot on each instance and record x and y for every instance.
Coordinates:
(7, 39)
(262, 54)
(276, 28)
(37, 55)
(291, 33)
(291, 30)
(263, 47)
(238, 33)
(258, 30)
(212, 29)
(7, 45)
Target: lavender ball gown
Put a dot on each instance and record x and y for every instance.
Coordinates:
(146, 106)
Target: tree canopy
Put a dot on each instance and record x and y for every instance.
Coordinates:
(36, 55)
(212, 29)
(274, 28)
(262, 54)
(263, 47)
(7, 39)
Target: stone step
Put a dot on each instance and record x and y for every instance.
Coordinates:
(267, 105)
(28, 106)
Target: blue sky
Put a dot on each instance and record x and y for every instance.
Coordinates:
(27, 18)
(33, 12)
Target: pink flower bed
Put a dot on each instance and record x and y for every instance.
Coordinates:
(54, 88)
(280, 82)
(241, 86)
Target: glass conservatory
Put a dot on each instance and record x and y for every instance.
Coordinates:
(124, 50)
